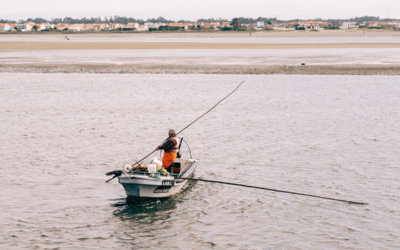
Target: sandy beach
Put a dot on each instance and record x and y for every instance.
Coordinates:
(202, 69)
(315, 53)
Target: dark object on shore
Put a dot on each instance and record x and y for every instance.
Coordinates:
(303, 64)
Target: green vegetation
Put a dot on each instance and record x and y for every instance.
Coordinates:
(376, 28)
(125, 20)
(329, 27)
(169, 28)
(226, 28)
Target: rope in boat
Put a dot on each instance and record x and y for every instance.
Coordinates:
(274, 190)
(208, 111)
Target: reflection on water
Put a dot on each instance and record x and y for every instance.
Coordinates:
(137, 209)
(132, 207)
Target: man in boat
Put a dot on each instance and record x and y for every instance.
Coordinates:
(170, 147)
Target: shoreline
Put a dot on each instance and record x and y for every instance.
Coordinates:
(67, 45)
(202, 69)
(217, 33)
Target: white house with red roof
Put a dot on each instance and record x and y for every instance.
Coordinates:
(4, 27)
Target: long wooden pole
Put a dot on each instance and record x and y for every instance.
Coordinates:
(273, 190)
(198, 118)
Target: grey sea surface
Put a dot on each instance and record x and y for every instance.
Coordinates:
(336, 136)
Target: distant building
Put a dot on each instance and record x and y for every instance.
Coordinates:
(115, 26)
(226, 24)
(198, 24)
(285, 26)
(62, 26)
(348, 25)
(143, 28)
(4, 27)
(134, 26)
(372, 24)
(28, 26)
(394, 24)
(13, 26)
(43, 27)
(99, 26)
(260, 25)
(310, 25)
(180, 25)
(76, 27)
(213, 25)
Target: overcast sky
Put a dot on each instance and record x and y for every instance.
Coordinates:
(194, 9)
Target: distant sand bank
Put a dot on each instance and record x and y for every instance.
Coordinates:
(202, 69)
(67, 45)
(364, 53)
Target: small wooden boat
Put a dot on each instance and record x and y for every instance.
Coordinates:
(147, 182)
(150, 182)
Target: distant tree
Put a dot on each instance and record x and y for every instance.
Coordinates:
(36, 20)
(364, 19)
(68, 20)
(35, 27)
(236, 24)
(158, 20)
(245, 20)
(118, 19)
(6, 21)
(212, 20)
(56, 20)
(174, 28)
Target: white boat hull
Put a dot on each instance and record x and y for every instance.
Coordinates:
(157, 186)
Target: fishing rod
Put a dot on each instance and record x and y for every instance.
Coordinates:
(198, 118)
(273, 190)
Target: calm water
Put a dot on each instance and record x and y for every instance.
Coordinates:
(336, 136)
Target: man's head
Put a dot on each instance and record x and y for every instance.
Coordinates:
(171, 133)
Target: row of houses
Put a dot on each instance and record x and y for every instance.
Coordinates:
(320, 25)
(30, 26)
(298, 25)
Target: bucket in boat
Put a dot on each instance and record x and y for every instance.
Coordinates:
(152, 168)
